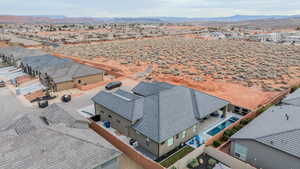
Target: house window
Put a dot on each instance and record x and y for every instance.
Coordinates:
(177, 136)
(194, 128)
(183, 134)
(102, 111)
(240, 151)
(79, 81)
(170, 141)
(109, 116)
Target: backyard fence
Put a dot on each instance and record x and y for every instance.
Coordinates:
(140, 159)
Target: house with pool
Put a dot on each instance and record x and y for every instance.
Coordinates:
(161, 117)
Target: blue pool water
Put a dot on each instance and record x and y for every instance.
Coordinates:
(222, 126)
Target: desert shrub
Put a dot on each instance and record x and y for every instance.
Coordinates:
(224, 138)
(228, 132)
(193, 164)
(245, 121)
(217, 143)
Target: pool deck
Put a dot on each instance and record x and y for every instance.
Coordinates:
(211, 123)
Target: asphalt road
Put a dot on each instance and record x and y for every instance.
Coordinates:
(10, 107)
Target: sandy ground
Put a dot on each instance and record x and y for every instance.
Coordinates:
(245, 73)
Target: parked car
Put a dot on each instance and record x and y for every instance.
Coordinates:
(113, 85)
(43, 98)
(2, 83)
(132, 141)
(66, 98)
(43, 104)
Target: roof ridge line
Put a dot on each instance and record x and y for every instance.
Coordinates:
(277, 133)
(193, 97)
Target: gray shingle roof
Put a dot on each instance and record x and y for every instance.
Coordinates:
(293, 99)
(47, 148)
(147, 89)
(60, 70)
(19, 52)
(44, 62)
(55, 114)
(163, 105)
(72, 70)
(273, 129)
(52, 146)
(121, 102)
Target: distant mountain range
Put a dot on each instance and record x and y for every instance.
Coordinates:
(64, 19)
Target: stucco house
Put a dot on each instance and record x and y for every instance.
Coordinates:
(158, 115)
(60, 74)
(272, 140)
(14, 54)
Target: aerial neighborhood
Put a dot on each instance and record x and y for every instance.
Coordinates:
(86, 93)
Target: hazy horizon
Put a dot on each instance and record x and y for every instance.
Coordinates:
(150, 8)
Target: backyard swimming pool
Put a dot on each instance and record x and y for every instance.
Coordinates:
(222, 126)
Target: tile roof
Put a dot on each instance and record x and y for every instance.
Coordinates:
(278, 127)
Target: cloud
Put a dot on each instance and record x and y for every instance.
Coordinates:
(138, 8)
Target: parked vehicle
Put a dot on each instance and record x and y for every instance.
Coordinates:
(43, 98)
(66, 98)
(132, 141)
(2, 83)
(113, 85)
(43, 104)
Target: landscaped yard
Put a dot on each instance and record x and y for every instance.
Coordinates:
(177, 156)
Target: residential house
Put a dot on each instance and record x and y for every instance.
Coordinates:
(13, 55)
(158, 115)
(55, 139)
(272, 140)
(61, 74)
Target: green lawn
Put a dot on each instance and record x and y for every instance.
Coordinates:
(177, 156)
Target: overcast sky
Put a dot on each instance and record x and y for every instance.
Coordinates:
(140, 8)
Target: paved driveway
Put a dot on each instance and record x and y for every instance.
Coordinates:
(11, 107)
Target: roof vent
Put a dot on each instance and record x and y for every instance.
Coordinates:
(287, 116)
(271, 142)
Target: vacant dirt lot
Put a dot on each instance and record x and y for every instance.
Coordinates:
(234, 70)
